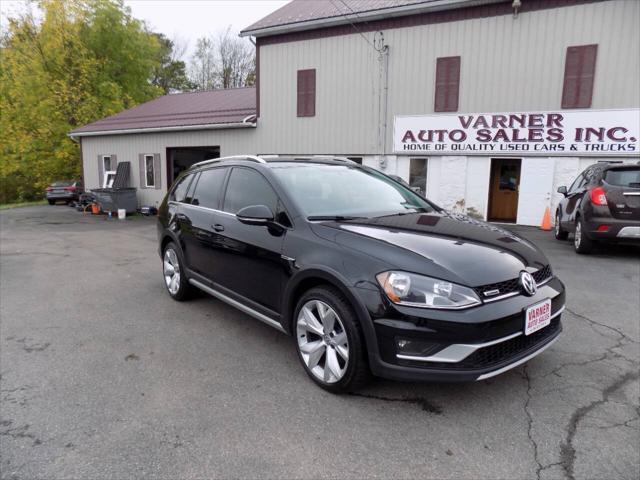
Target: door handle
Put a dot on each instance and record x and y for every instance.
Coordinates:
(218, 228)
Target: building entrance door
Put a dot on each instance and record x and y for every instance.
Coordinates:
(503, 189)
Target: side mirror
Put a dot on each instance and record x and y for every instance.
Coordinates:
(562, 190)
(255, 215)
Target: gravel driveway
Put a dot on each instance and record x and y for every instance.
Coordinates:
(104, 376)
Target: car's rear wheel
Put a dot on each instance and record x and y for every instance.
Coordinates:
(581, 242)
(173, 272)
(560, 233)
(52, 202)
(329, 341)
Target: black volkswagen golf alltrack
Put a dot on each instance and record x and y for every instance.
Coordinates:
(365, 274)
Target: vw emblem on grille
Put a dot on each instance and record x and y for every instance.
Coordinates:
(528, 283)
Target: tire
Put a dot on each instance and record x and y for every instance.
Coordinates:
(52, 202)
(173, 273)
(559, 232)
(331, 352)
(581, 242)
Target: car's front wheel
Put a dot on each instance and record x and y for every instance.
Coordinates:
(173, 272)
(560, 233)
(581, 242)
(52, 202)
(329, 340)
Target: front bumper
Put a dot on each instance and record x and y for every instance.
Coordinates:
(466, 345)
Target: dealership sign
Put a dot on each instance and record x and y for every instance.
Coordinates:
(569, 133)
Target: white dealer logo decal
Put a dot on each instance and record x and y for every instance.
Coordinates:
(589, 132)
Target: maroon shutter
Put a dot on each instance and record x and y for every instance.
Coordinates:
(306, 94)
(579, 70)
(100, 171)
(157, 179)
(447, 84)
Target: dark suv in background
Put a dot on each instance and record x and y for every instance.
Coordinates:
(364, 273)
(601, 205)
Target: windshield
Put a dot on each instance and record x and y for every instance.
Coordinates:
(322, 190)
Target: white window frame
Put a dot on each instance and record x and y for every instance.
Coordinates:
(109, 175)
(153, 169)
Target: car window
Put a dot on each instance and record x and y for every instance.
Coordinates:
(623, 177)
(247, 187)
(192, 186)
(179, 193)
(207, 192)
(578, 182)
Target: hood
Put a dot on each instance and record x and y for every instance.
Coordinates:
(450, 246)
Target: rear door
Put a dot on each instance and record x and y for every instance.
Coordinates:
(574, 197)
(247, 257)
(622, 189)
(198, 219)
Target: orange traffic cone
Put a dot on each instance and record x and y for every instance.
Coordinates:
(546, 220)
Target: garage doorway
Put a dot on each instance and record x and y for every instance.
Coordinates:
(504, 186)
(181, 158)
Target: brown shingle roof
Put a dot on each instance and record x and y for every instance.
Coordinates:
(182, 109)
(299, 11)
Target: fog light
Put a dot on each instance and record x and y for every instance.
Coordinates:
(410, 346)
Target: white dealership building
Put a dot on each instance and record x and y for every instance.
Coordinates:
(487, 106)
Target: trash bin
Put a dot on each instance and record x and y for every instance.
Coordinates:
(114, 199)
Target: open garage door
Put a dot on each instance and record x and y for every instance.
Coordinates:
(181, 158)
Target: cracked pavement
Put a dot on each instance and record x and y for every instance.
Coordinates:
(104, 376)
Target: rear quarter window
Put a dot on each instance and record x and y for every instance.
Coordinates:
(628, 177)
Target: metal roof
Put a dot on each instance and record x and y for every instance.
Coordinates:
(181, 111)
(306, 14)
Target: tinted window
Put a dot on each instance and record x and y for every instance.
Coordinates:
(624, 178)
(180, 191)
(577, 183)
(208, 189)
(247, 187)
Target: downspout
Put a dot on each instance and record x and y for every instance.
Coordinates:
(383, 94)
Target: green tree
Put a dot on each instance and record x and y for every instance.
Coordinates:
(84, 60)
(170, 74)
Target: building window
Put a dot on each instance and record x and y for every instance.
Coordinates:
(579, 71)
(106, 163)
(447, 84)
(149, 171)
(418, 175)
(307, 93)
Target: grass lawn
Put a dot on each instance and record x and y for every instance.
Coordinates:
(4, 206)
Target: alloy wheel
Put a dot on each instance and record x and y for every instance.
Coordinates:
(578, 235)
(322, 341)
(171, 268)
(557, 225)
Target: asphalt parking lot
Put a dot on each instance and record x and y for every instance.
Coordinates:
(104, 376)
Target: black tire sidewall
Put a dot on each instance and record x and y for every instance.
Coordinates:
(586, 244)
(559, 232)
(357, 354)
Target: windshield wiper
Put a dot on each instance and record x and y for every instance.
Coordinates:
(336, 218)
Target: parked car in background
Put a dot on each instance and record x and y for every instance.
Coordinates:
(64, 191)
(601, 205)
(366, 275)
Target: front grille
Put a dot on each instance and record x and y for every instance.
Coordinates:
(498, 354)
(513, 285)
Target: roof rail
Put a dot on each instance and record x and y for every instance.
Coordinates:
(328, 157)
(252, 158)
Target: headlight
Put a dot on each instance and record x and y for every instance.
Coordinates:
(419, 291)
